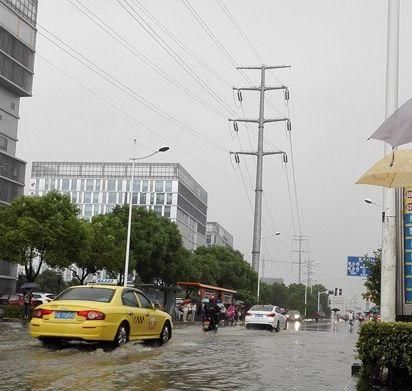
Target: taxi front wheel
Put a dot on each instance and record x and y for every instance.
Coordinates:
(166, 333)
(122, 335)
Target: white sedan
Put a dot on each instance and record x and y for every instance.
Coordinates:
(269, 316)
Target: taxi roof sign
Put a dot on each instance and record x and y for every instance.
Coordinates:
(104, 281)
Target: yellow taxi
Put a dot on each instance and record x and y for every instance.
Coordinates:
(100, 312)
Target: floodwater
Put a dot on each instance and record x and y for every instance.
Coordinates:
(313, 356)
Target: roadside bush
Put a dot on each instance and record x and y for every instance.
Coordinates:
(14, 311)
(386, 353)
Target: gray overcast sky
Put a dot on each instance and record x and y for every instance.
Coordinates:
(337, 50)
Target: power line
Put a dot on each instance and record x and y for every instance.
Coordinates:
(181, 44)
(123, 87)
(241, 32)
(135, 52)
(169, 50)
(109, 103)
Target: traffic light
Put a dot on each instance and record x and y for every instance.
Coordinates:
(340, 291)
(336, 291)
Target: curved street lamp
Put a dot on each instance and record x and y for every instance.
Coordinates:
(129, 222)
(369, 201)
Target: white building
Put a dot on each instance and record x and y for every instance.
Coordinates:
(166, 188)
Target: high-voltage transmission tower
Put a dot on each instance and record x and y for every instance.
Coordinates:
(260, 153)
(300, 239)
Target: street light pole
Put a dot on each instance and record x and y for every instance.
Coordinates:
(129, 221)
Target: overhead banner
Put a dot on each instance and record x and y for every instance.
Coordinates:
(407, 227)
(356, 266)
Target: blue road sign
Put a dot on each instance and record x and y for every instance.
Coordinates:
(356, 266)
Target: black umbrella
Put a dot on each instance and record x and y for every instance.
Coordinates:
(335, 309)
(29, 285)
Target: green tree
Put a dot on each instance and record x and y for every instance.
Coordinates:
(45, 229)
(373, 281)
(296, 297)
(231, 270)
(51, 281)
(156, 247)
(107, 246)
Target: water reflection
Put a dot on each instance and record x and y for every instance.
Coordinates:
(231, 359)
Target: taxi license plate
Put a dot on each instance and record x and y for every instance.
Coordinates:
(63, 315)
(259, 315)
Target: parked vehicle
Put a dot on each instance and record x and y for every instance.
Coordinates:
(17, 299)
(268, 316)
(43, 297)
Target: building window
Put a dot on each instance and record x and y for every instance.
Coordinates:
(208, 239)
(168, 186)
(167, 212)
(88, 210)
(98, 185)
(136, 185)
(112, 198)
(160, 198)
(111, 185)
(158, 210)
(74, 197)
(87, 199)
(3, 143)
(89, 185)
(159, 186)
(73, 185)
(143, 198)
(95, 197)
(65, 184)
(145, 186)
(152, 197)
(134, 199)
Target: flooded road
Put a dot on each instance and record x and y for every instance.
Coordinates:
(313, 357)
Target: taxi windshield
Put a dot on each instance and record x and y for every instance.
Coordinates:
(103, 295)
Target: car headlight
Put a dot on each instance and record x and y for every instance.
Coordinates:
(296, 316)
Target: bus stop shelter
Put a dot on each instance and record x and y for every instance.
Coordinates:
(203, 291)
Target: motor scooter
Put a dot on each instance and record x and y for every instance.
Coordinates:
(210, 323)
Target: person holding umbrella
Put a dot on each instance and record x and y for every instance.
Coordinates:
(27, 298)
(27, 302)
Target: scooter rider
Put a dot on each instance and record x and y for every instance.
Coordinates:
(212, 312)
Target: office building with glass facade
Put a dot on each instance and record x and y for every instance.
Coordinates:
(17, 50)
(216, 235)
(166, 188)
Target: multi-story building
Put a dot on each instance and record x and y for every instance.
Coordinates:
(216, 235)
(166, 188)
(17, 49)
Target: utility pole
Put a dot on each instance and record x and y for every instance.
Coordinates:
(260, 153)
(389, 237)
(300, 239)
